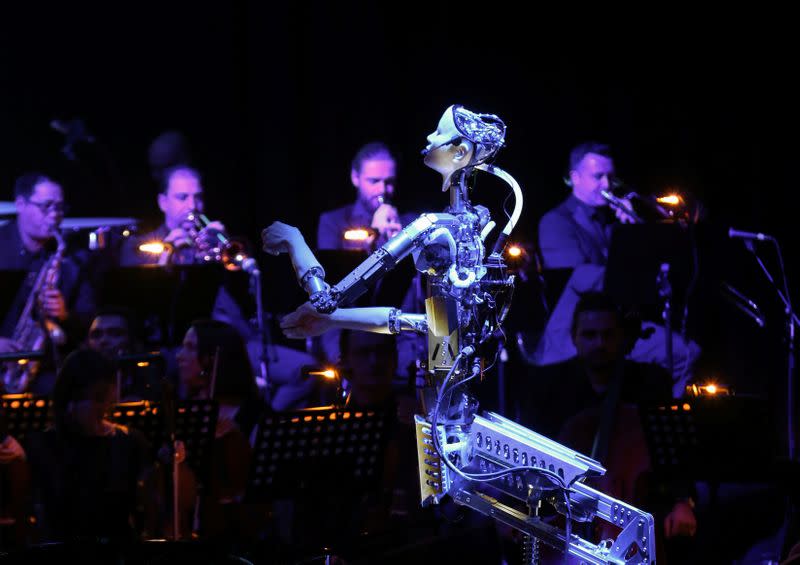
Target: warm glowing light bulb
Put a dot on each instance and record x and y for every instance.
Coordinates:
(327, 373)
(359, 234)
(154, 247)
(670, 199)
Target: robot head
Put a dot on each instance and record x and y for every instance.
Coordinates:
(463, 139)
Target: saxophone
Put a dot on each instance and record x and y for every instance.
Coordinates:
(34, 328)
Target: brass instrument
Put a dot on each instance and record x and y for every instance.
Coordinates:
(620, 204)
(220, 248)
(34, 328)
(674, 210)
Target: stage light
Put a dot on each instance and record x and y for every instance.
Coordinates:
(357, 234)
(154, 247)
(670, 199)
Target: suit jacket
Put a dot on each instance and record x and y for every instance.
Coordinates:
(334, 223)
(73, 282)
(571, 234)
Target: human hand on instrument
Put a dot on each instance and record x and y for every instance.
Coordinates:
(681, 521)
(53, 304)
(10, 450)
(8, 345)
(281, 238)
(180, 237)
(623, 216)
(305, 322)
(386, 220)
(207, 237)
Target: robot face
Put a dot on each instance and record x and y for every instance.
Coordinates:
(445, 150)
(463, 138)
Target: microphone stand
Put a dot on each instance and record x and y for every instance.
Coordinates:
(665, 292)
(789, 525)
(791, 323)
(263, 330)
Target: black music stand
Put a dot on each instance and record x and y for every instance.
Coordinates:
(11, 282)
(139, 376)
(195, 426)
(165, 299)
(22, 414)
(310, 452)
(718, 439)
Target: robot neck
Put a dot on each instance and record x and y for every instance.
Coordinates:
(459, 195)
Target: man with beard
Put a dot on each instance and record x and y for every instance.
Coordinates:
(373, 174)
(590, 403)
(559, 391)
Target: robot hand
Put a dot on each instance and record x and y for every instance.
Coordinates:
(281, 238)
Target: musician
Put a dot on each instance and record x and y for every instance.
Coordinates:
(577, 231)
(88, 473)
(213, 363)
(576, 235)
(110, 332)
(571, 401)
(26, 244)
(373, 173)
(181, 195)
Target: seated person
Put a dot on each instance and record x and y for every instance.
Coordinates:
(88, 474)
(213, 363)
(113, 333)
(576, 234)
(573, 400)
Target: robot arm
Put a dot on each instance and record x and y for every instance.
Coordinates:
(411, 239)
(306, 321)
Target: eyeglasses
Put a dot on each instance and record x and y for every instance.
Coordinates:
(50, 206)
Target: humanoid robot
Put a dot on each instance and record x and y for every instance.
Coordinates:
(485, 462)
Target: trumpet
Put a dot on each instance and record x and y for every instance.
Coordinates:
(218, 247)
(620, 204)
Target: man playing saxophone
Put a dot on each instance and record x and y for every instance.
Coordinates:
(29, 243)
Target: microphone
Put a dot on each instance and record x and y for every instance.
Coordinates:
(747, 235)
(455, 139)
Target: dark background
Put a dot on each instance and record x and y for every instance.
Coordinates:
(276, 98)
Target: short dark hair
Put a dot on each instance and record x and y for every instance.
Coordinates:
(120, 311)
(26, 183)
(580, 151)
(595, 302)
(371, 151)
(127, 314)
(167, 175)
